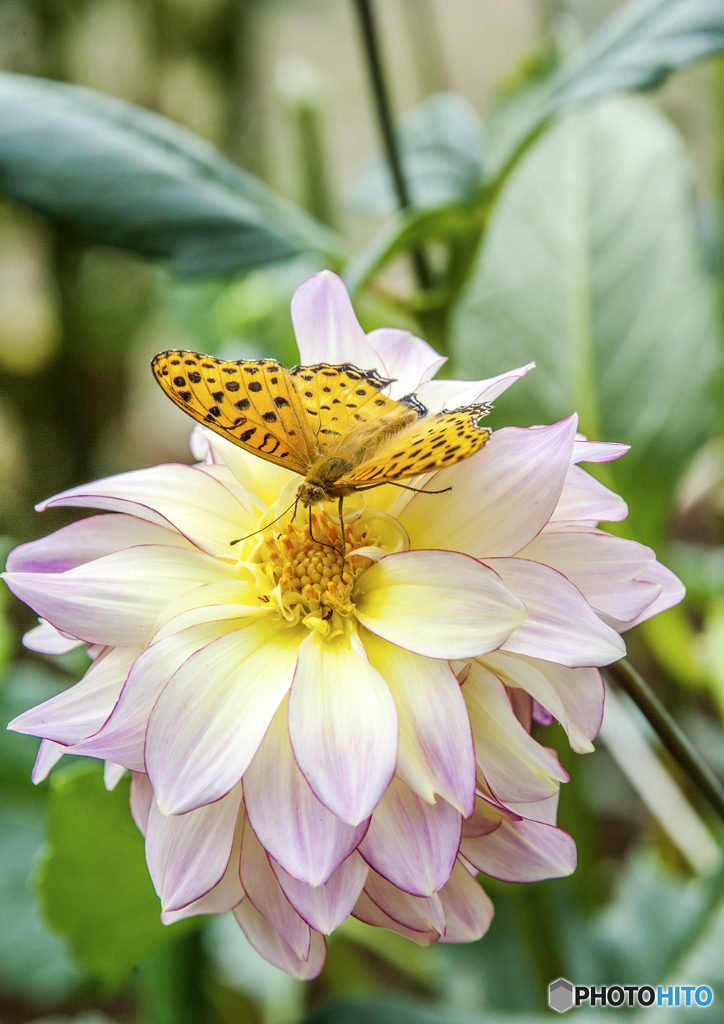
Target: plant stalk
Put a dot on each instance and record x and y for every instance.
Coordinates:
(671, 736)
(373, 54)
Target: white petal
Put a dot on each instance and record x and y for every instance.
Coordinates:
(439, 604)
(585, 499)
(271, 946)
(112, 774)
(343, 727)
(187, 854)
(515, 766)
(671, 591)
(419, 913)
(366, 910)
(224, 896)
(326, 328)
(180, 497)
(140, 799)
(437, 395)
(436, 752)
(212, 714)
(411, 843)
(304, 837)
(561, 625)
(325, 907)
(49, 754)
(597, 451)
(501, 497)
(80, 711)
(116, 599)
(262, 481)
(468, 908)
(46, 639)
(405, 358)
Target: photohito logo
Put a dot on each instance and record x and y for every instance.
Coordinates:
(562, 995)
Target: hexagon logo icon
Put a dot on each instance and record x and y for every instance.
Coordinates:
(560, 995)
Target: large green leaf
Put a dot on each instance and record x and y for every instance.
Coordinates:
(126, 177)
(636, 49)
(590, 268)
(93, 880)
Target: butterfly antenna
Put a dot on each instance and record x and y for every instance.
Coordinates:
(405, 487)
(240, 539)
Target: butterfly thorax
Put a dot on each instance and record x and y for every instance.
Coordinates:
(323, 481)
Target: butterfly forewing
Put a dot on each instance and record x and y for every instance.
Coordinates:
(253, 403)
(435, 442)
(338, 400)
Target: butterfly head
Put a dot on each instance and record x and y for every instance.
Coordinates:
(311, 494)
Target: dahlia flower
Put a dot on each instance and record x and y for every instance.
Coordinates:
(306, 745)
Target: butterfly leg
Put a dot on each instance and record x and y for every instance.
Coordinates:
(341, 526)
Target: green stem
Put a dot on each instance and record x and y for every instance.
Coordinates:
(380, 92)
(677, 744)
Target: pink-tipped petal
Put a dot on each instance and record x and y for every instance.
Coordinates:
(325, 907)
(561, 625)
(585, 499)
(522, 851)
(224, 896)
(87, 540)
(436, 752)
(304, 837)
(343, 727)
(437, 395)
(49, 754)
(367, 910)
(406, 359)
(514, 764)
(439, 604)
(212, 714)
(182, 498)
(271, 946)
(607, 570)
(112, 774)
(116, 599)
(46, 639)
(187, 854)
(501, 497)
(468, 909)
(671, 591)
(76, 713)
(411, 843)
(419, 913)
(325, 325)
(598, 451)
(122, 738)
(263, 889)
(140, 799)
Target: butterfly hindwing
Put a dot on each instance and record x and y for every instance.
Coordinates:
(435, 442)
(342, 399)
(252, 403)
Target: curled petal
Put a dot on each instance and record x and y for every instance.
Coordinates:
(187, 854)
(561, 625)
(263, 889)
(439, 604)
(325, 326)
(437, 395)
(140, 799)
(671, 591)
(468, 908)
(271, 946)
(585, 499)
(325, 907)
(436, 752)
(305, 838)
(87, 540)
(343, 727)
(406, 359)
(76, 713)
(597, 451)
(419, 913)
(49, 754)
(501, 497)
(515, 766)
(182, 498)
(112, 774)
(46, 639)
(115, 600)
(212, 714)
(411, 843)
(522, 851)
(366, 910)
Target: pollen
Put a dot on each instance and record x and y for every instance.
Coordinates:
(308, 567)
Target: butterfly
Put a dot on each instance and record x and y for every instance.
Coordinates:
(331, 424)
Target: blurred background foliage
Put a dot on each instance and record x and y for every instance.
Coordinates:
(556, 216)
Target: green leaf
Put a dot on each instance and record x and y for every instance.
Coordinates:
(590, 268)
(93, 880)
(636, 49)
(442, 156)
(386, 1010)
(125, 177)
